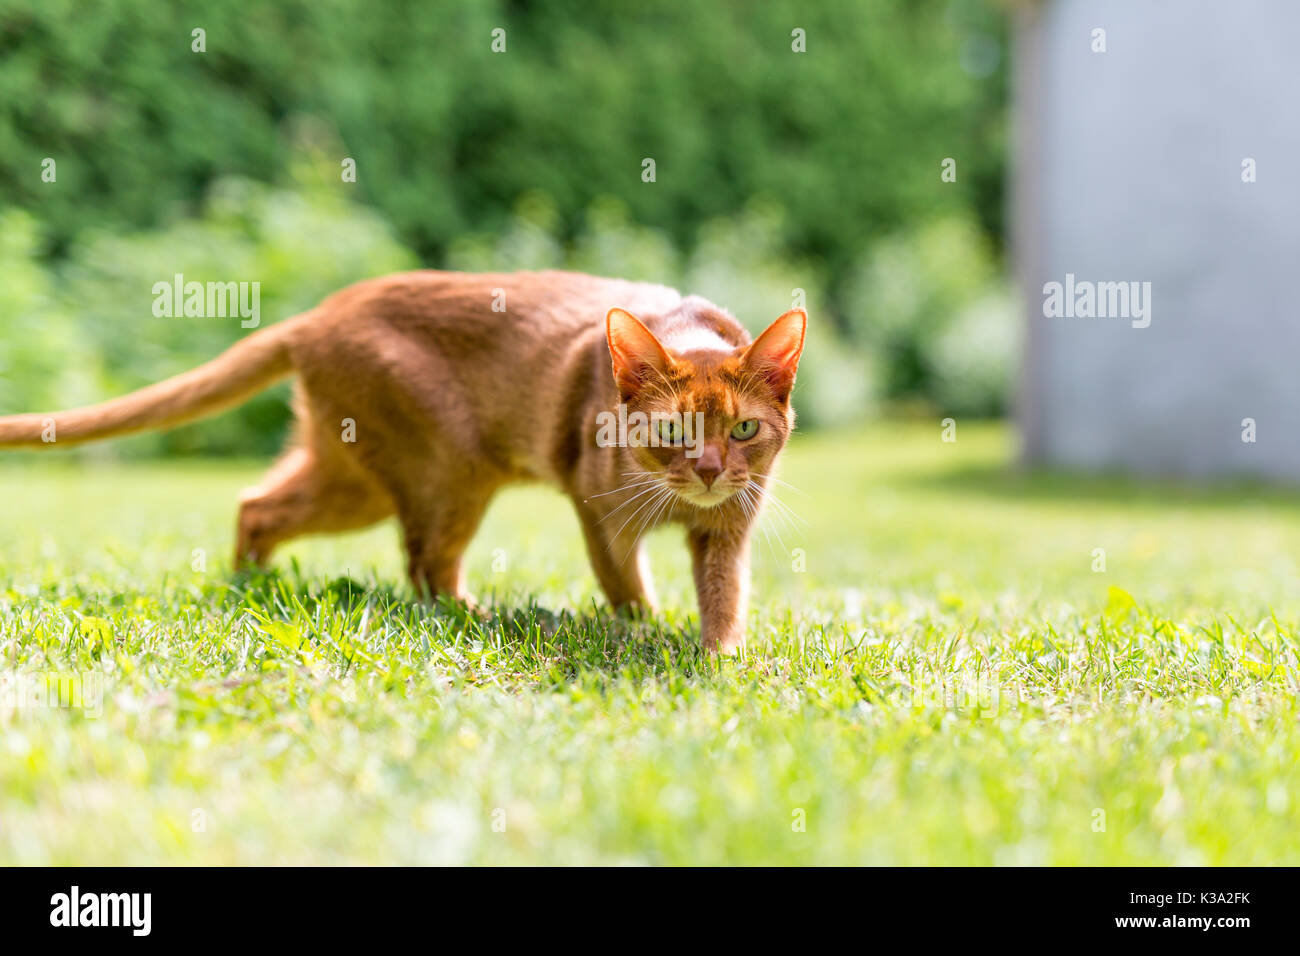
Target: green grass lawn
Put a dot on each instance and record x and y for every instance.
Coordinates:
(936, 674)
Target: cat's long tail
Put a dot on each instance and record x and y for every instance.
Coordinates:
(243, 370)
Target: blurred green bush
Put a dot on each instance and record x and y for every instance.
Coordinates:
(447, 134)
(932, 305)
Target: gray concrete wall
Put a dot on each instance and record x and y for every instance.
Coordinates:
(1128, 166)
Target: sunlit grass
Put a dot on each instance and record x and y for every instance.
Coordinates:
(936, 674)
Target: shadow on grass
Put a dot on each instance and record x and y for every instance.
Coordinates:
(1038, 485)
(594, 638)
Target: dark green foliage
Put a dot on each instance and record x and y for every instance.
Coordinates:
(447, 134)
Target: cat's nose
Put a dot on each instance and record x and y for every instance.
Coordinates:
(709, 465)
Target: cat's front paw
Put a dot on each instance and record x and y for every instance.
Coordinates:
(728, 643)
(637, 609)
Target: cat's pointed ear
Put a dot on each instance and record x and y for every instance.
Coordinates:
(638, 356)
(775, 354)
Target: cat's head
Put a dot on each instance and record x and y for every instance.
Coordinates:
(718, 415)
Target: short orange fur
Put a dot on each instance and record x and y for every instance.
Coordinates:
(453, 399)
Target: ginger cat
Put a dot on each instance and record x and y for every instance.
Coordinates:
(458, 384)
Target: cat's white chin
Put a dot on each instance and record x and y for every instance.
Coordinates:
(708, 499)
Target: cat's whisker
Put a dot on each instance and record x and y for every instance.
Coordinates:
(627, 487)
(641, 508)
(789, 519)
(778, 518)
(745, 500)
(758, 490)
(783, 517)
(668, 502)
(655, 503)
(652, 519)
(783, 483)
(753, 509)
(633, 486)
(636, 497)
(767, 540)
(751, 503)
(781, 507)
(771, 529)
(782, 523)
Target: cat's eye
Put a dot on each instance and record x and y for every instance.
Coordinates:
(670, 431)
(745, 429)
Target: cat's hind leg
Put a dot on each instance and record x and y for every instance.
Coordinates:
(304, 494)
